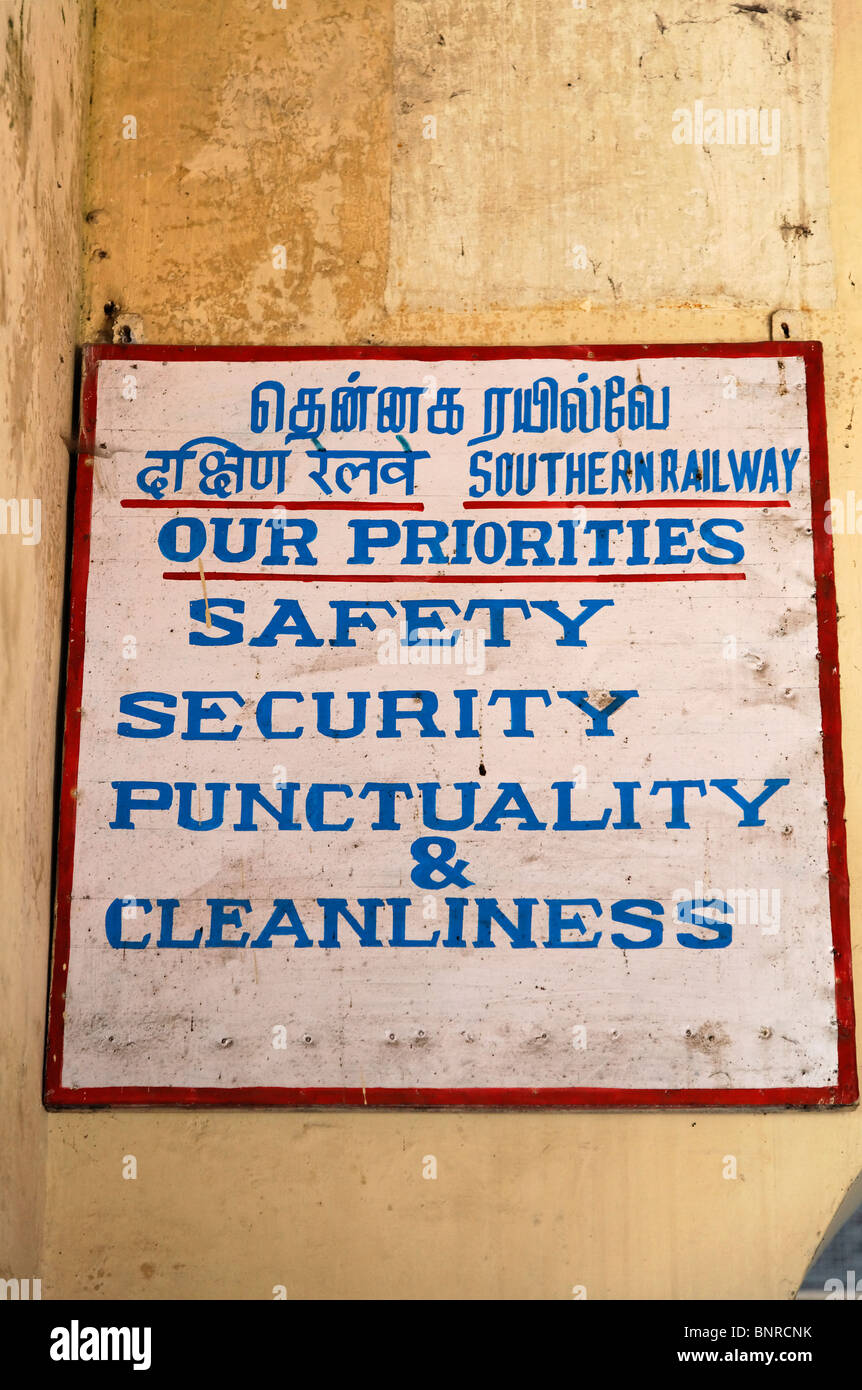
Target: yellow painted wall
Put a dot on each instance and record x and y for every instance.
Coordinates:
(43, 66)
(303, 127)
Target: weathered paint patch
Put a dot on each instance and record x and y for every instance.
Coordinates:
(518, 182)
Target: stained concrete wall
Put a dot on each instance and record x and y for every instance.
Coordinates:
(550, 204)
(42, 111)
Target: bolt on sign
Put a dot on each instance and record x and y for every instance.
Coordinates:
(452, 727)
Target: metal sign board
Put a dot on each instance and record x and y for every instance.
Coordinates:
(452, 727)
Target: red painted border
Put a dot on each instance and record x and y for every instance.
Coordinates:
(846, 1091)
(71, 729)
(830, 705)
(603, 352)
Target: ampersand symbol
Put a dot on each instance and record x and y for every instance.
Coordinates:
(428, 865)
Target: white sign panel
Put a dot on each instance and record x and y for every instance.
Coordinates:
(452, 727)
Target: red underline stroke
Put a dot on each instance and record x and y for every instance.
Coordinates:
(685, 505)
(184, 504)
(234, 575)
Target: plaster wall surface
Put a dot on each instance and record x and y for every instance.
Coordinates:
(259, 128)
(43, 68)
